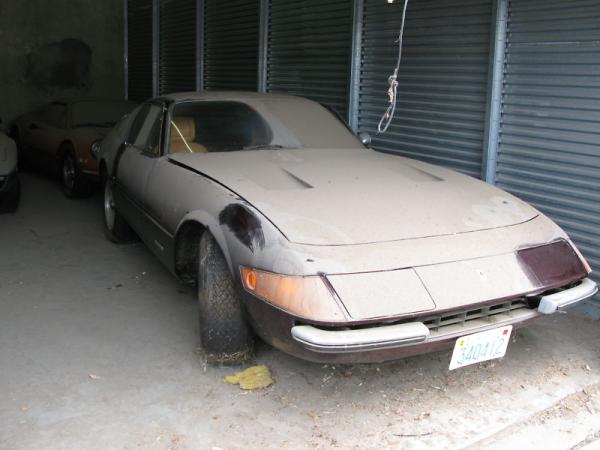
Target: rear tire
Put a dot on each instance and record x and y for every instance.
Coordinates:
(116, 229)
(225, 335)
(74, 183)
(9, 202)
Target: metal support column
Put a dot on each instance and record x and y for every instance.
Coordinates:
(125, 50)
(199, 45)
(495, 83)
(355, 59)
(263, 43)
(155, 49)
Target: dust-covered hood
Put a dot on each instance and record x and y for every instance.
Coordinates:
(357, 196)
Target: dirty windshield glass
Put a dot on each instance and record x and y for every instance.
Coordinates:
(225, 126)
(99, 113)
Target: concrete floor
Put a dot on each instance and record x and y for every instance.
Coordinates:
(98, 351)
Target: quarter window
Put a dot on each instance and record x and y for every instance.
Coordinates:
(146, 129)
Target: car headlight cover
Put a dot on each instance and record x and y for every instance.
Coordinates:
(303, 296)
(586, 264)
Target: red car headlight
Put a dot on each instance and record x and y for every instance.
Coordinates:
(554, 264)
(303, 296)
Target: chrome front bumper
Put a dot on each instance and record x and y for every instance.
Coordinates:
(549, 304)
(411, 333)
(391, 336)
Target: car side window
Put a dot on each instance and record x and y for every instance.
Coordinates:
(138, 121)
(148, 125)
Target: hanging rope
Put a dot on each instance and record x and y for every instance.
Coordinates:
(392, 92)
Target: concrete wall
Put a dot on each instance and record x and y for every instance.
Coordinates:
(56, 49)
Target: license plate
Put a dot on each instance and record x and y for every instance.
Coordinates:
(480, 347)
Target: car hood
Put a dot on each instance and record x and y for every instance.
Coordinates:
(358, 196)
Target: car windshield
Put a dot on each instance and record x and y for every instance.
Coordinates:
(224, 126)
(99, 113)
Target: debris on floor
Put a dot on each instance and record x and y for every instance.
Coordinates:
(256, 377)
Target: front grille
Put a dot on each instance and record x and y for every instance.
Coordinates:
(463, 317)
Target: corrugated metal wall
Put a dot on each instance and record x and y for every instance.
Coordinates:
(550, 135)
(231, 44)
(308, 49)
(177, 46)
(443, 79)
(139, 49)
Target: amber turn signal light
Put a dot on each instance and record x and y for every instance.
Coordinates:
(306, 297)
(250, 279)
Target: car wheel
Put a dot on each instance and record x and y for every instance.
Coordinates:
(226, 336)
(74, 183)
(116, 228)
(10, 201)
(22, 159)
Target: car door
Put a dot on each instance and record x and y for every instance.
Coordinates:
(172, 190)
(134, 164)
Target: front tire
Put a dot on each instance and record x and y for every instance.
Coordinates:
(74, 183)
(116, 229)
(225, 335)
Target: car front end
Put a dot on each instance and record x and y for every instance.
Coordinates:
(362, 316)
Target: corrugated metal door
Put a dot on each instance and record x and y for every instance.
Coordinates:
(139, 49)
(440, 117)
(549, 152)
(177, 46)
(308, 49)
(231, 44)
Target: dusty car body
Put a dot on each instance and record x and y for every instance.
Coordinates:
(60, 136)
(10, 188)
(335, 252)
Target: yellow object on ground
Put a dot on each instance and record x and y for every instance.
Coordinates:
(256, 377)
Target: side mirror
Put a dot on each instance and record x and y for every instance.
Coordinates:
(365, 138)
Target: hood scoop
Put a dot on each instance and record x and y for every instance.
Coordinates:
(279, 179)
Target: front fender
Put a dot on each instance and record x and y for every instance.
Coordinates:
(247, 238)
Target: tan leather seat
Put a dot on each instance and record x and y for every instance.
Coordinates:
(183, 133)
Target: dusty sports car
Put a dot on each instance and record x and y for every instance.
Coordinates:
(10, 189)
(328, 250)
(60, 135)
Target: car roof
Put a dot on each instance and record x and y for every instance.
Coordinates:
(229, 95)
(89, 99)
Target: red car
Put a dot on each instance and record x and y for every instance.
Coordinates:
(59, 136)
